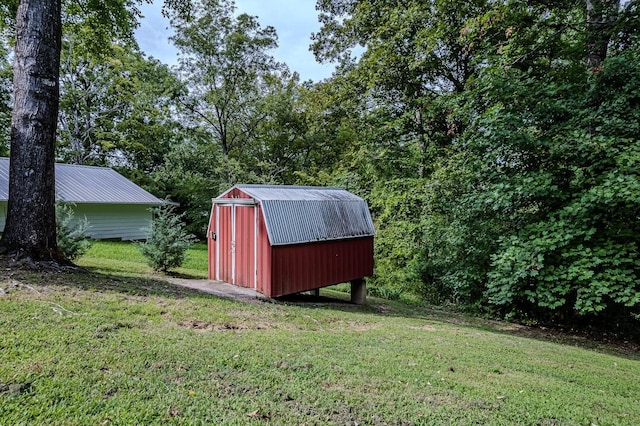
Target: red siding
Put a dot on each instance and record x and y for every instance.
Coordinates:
(264, 256)
(225, 255)
(244, 246)
(236, 193)
(303, 267)
(211, 244)
(280, 270)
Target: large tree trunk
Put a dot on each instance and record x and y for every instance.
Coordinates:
(30, 229)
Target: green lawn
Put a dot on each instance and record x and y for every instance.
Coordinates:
(124, 258)
(86, 348)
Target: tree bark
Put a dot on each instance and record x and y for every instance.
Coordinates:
(30, 230)
(601, 15)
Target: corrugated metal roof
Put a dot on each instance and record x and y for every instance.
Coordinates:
(301, 214)
(302, 193)
(88, 184)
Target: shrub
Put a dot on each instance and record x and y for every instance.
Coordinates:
(385, 292)
(72, 238)
(167, 241)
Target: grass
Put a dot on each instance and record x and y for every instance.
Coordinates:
(124, 259)
(90, 348)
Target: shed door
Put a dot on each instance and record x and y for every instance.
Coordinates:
(236, 244)
(244, 244)
(224, 252)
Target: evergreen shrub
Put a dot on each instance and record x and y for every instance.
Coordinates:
(167, 241)
(71, 236)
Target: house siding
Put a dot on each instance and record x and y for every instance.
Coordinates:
(115, 207)
(3, 215)
(115, 221)
(107, 221)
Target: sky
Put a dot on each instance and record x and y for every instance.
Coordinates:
(294, 21)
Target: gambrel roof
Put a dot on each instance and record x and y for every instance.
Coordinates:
(304, 214)
(88, 184)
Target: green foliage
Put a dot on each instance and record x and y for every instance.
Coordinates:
(115, 106)
(385, 292)
(281, 144)
(456, 236)
(8, 12)
(406, 85)
(167, 242)
(223, 62)
(114, 102)
(397, 208)
(562, 179)
(194, 172)
(497, 147)
(72, 234)
(100, 23)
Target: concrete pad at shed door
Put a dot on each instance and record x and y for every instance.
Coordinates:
(218, 288)
(230, 291)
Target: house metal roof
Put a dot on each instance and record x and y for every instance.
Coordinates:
(88, 184)
(303, 214)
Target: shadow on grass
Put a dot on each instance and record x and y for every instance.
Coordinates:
(602, 342)
(185, 276)
(101, 280)
(305, 299)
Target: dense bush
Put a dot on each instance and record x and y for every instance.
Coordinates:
(566, 185)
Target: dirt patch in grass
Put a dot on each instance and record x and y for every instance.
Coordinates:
(352, 325)
(197, 325)
(361, 326)
(207, 326)
(424, 327)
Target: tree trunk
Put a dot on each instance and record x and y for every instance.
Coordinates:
(30, 230)
(601, 15)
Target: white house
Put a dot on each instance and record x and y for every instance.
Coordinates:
(115, 207)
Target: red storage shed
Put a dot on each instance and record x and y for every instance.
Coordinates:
(283, 240)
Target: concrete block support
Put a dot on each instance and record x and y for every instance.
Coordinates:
(358, 291)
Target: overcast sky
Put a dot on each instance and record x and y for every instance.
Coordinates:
(294, 21)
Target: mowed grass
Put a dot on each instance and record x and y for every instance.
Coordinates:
(124, 258)
(86, 348)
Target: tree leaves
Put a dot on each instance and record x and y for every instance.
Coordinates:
(509, 165)
(223, 60)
